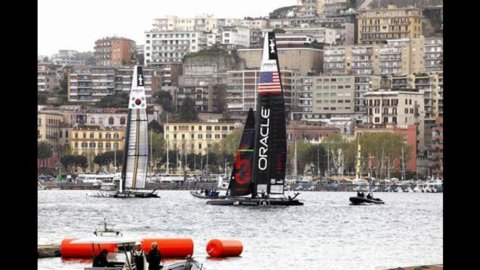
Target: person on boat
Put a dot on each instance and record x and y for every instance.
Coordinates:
(369, 196)
(360, 194)
(101, 259)
(138, 256)
(154, 258)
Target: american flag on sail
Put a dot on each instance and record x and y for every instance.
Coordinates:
(269, 83)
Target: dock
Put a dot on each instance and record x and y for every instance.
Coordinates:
(48, 251)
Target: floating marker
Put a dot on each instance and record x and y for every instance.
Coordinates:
(224, 248)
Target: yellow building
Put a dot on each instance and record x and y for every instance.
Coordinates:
(196, 137)
(93, 140)
(51, 127)
(378, 25)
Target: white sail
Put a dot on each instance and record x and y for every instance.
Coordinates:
(136, 145)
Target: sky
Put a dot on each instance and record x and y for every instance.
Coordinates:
(75, 25)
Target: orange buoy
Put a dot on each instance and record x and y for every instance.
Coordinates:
(224, 248)
(170, 247)
(69, 250)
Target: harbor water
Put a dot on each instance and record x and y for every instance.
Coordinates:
(326, 233)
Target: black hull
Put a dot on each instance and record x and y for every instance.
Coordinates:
(360, 200)
(255, 202)
(133, 194)
(202, 196)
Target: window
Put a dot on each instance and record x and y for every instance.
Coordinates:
(76, 135)
(100, 145)
(110, 121)
(76, 145)
(385, 120)
(91, 135)
(122, 120)
(92, 145)
(99, 135)
(199, 146)
(108, 136)
(394, 120)
(217, 127)
(217, 136)
(92, 120)
(406, 110)
(377, 120)
(84, 135)
(100, 121)
(108, 145)
(200, 136)
(115, 136)
(209, 128)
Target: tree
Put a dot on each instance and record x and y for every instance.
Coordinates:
(164, 99)
(159, 146)
(114, 101)
(187, 111)
(71, 162)
(42, 98)
(44, 150)
(155, 127)
(336, 146)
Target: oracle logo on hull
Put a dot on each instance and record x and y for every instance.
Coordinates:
(264, 132)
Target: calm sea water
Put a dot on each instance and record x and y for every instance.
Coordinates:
(326, 233)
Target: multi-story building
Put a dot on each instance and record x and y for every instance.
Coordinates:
(47, 77)
(163, 47)
(242, 90)
(377, 25)
(312, 7)
(401, 56)
(51, 127)
(114, 51)
(333, 96)
(196, 138)
(91, 84)
(400, 108)
(92, 140)
(236, 35)
(335, 6)
(67, 58)
(433, 54)
(201, 23)
(304, 98)
(305, 60)
(436, 152)
(254, 23)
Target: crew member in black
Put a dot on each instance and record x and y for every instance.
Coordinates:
(369, 196)
(101, 259)
(138, 256)
(154, 258)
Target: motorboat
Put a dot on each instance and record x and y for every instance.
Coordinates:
(361, 199)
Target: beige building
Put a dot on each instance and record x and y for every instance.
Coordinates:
(242, 90)
(196, 137)
(47, 77)
(400, 108)
(93, 140)
(333, 96)
(378, 25)
(51, 127)
(401, 56)
(303, 59)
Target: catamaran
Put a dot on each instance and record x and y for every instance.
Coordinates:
(260, 161)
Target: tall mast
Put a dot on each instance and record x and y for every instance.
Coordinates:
(114, 159)
(328, 162)
(359, 157)
(295, 172)
(151, 152)
(381, 163)
(318, 163)
(168, 163)
(403, 165)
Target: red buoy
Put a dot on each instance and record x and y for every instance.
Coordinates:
(69, 250)
(170, 247)
(224, 248)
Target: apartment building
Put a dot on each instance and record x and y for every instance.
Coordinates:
(377, 25)
(114, 51)
(196, 138)
(333, 96)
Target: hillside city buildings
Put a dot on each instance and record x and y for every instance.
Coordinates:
(345, 69)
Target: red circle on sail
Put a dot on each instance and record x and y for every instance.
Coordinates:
(138, 101)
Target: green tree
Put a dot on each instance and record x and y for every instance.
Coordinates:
(187, 111)
(336, 146)
(44, 150)
(71, 162)
(42, 98)
(159, 147)
(164, 99)
(155, 127)
(114, 101)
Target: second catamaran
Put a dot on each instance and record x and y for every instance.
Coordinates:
(260, 161)
(135, 158)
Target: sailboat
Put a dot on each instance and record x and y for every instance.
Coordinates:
(135, 159)
(259, 169)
